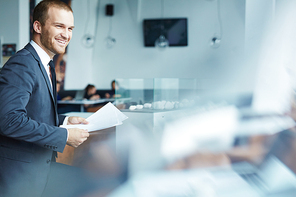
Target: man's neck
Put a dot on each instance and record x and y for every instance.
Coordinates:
(38, 42)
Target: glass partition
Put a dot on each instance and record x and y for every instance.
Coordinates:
(155, 93)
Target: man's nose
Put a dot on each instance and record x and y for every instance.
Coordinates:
(66, 34)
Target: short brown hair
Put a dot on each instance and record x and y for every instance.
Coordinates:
(41, 10)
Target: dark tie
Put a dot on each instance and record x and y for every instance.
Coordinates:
(53, 80)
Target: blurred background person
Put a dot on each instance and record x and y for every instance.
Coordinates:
(114, 93)
(66, 98)
(91, 92)
(64, 108)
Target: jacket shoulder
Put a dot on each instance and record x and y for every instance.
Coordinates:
(21, 58)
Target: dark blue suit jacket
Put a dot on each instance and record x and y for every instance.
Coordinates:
(29, 136)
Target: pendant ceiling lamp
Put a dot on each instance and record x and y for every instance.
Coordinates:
(88, 39)
(109, 11)
(162, 42)
(215, 41)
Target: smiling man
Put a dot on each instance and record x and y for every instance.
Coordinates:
(54, 32)
(30, 135)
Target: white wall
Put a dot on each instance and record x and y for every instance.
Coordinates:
(130, 59)
(243, 22)
(24, 25)
(14, 22)
(9, 29)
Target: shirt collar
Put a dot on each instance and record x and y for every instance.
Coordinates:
(41, 53)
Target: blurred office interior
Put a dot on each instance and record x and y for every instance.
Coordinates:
(231, 133)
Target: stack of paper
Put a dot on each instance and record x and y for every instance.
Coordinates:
(107, 116)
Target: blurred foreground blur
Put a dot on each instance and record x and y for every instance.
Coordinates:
(221, 145)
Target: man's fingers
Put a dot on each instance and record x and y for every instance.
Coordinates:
(77, 120)
(86, 133)
(83, 121)
(77, 137)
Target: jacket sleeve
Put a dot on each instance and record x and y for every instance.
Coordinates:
(17, 84)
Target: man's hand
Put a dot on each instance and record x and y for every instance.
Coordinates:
(76, 120)
(77, 137)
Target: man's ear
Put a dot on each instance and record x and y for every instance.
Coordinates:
(37, 27)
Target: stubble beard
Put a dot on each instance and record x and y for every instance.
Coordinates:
(49, 45)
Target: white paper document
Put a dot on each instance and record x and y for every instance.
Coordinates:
(106, 117)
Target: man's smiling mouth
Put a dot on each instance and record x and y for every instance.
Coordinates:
(61, 42)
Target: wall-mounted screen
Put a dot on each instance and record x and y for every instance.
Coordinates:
(174, 29)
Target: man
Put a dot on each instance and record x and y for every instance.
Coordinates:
(29, 132)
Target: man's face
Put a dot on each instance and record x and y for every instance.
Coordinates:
(56, 34)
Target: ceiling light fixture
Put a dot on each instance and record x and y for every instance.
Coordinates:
(88, 39)
(215, 41)
(161, 42)
(110, 41)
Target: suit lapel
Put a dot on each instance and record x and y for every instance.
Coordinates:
(45, 76)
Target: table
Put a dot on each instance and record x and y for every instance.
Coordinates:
(83, 102)
(82, 155)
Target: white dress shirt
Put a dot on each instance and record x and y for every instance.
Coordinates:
(45, 59)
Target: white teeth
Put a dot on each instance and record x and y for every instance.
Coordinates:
(62, 42)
